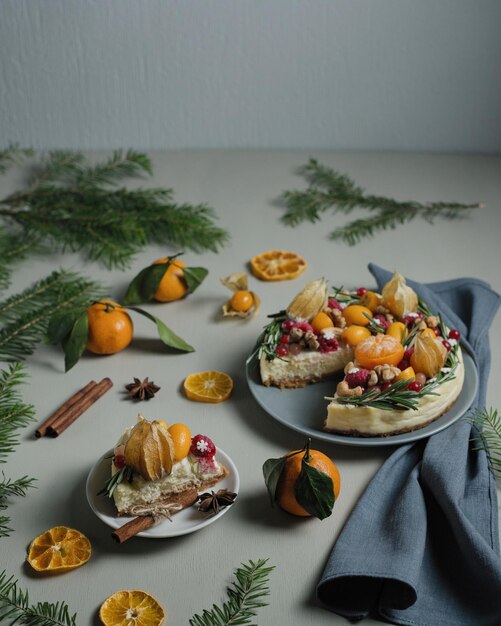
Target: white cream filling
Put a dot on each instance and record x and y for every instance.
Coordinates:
(372, 421)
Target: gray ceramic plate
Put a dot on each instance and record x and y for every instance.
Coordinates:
(305, 409)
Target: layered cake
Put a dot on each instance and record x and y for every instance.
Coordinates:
(154, 465)
(401, 366)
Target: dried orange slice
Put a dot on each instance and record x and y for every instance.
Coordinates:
(277, 265)
(131, 608)
(208, 386)
(59, 549)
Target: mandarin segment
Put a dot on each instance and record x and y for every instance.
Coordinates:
(131, 608)
(357, 314)
(277, 265)
(210, 386)
(59, 549)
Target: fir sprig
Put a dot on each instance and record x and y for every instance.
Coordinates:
(24, 317)
(124, 473)
(245, 595)
(487, 423)
(72, 204)
(15, 607)
(14, 414)
(330, 190)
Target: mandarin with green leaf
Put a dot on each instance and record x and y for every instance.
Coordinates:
(173, 285)
(286, 487)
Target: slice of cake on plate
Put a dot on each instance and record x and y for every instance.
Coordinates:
(151, 469)
(402, 367)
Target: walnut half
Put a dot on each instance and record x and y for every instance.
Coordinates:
(343, 390)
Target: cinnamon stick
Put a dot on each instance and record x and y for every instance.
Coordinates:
(41, 431)
(143, 522)
(67, 418)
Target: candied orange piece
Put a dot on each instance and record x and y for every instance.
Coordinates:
(131, 608)
(379, 350)
(277, 265)
(58, 550)
(210, 386)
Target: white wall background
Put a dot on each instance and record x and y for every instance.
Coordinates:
(342, 74)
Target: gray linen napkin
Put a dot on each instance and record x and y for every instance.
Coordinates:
(422, 546)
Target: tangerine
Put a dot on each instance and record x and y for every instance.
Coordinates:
(321, 321)
(353, 335)
(407, 374)
(209, 386)
(242, 301)
(357, 314)
(110, 327)
(131, 608)
(59, 549)
(181, 438)
(371, 300)
(173, 285)
(277, 265)
(285, 495)
(379, 350)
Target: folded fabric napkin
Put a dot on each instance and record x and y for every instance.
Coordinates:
(422, 546)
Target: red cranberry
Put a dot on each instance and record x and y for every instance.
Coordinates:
(454, 334)
(404, 364)
(414, 386)
(284, 339)
(361, 291)
(447, 344)
(332, 303)
(304, 326)
(385, 386)
(282, 350)
(382, 320)
(287, 325)
(119, 461)
(437, 331)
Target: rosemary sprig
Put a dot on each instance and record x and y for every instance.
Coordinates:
(330, 190)
(124, 473)
(72, 204)
(245, 596)
(487, 423)
(268, 340)
(15, 607)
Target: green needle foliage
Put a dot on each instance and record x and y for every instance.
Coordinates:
(72, 204)
(15, 607)
(24, 317)
(329, 190)
(14, 414)
(488, 435)
(245, 595)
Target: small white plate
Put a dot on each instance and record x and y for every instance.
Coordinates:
(186, 521)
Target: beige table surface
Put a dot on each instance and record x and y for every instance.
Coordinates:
(189, 573)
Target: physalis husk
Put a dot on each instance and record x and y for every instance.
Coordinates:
(398, 297)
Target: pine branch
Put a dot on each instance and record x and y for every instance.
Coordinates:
(15, 607)
(73, 205)
(12, 154)
(330, 190)
(25, 316)
(487, 423)
(245, 595)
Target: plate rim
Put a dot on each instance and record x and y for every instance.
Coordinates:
(391, 440)
(116, 522)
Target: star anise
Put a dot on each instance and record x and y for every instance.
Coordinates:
(142, 390)
(212, 503)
